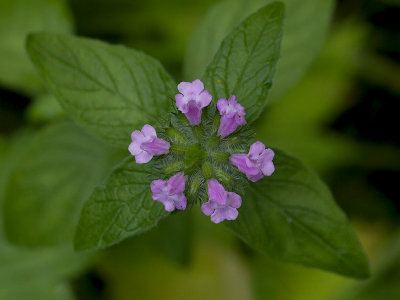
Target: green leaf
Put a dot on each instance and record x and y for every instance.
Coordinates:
(172, 239)
(292, 216)
(11, 151)
(37, 275)
(121, 208)
(245, 62)
(306, 24)
(58, 171)
(17, 18)
(385, 282)
(32, 274)
(44, 108)
(108, 90)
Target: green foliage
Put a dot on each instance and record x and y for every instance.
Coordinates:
(37, 275)
(11, 151)
(291, 216)
(121, 208)
(385, 283)
(17, 18)
(108, 90)
(27, 274)
(137, 271)
(244, 65)
(44, 108)
(57, 172)
(306, 24)
(112, 90)
(298, 123)
(152, 26)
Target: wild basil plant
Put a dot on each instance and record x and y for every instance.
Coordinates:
(191, 146)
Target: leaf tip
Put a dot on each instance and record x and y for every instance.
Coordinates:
(364, 270)
(277, 7)
(32, 43)
(81, 244)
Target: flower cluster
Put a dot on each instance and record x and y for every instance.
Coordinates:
(196, 159)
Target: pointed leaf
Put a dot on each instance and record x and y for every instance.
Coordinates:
(17, 19)
(108, 90)
(292, 216)
(245, 62)
(58, 171)
(305, 28)
(121, 208)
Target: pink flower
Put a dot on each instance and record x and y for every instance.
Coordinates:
(192, 99)
(170, 193)
(145, 144)
(232, 115)
(222, 205)
(257, 163)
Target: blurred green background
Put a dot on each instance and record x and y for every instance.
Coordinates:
(341, 118)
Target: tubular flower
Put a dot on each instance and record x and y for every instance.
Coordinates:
(201, 164)
(257, 163)
(170, 193)
(145, 144)
(222, 205)
(232, 115)
(192, 100)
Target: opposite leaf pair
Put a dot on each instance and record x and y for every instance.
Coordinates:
(108, 90)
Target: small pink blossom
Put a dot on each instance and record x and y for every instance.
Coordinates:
(192, 99)
(170, 193)
(145, 144)
(232, 115)
(222, 205)
(257, 163)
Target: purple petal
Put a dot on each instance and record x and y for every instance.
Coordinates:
(156, 146)
(137, 140)
(204, 98)
(268, 168)
(252, 166)
(222, 106)
(268, 154)
(158, 186)
(180, 202)
(176, 184)
(240, 109)
(194, 113)
(256, 177)
(224, 213)
(240, 120)
(181, 103)
(185, 88)
(169, 205)
(227, 126)
(232, 100)
(149, 131)
(137, 136)
(216, 192)
(191, 89)
(159, 190)
(134, 148)
(256, 150)
(197, 86)
(208, 208)
(244, 165)
(143, 157)
(266, 164)
(234, 200)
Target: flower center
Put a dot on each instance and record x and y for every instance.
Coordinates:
(194, 156)
(201, 154)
